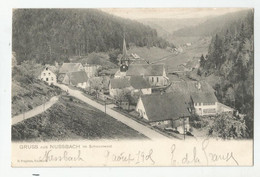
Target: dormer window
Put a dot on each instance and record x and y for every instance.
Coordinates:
(46, 68)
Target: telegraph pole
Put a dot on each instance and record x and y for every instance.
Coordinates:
(183, 127)
(105, 105)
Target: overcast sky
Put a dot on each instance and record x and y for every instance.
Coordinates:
(138, 13)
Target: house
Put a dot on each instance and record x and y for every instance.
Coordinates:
(154, 73)
(48, 75)
(78, 79)
(135, 84)
(70, 67)
(117, 85)
(166, 110)
(205, 103)
(92, 70)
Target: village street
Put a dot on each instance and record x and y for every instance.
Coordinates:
(153, 135)
(35, 111)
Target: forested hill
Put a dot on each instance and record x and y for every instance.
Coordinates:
(231, 58)
(212, 25)
(48, 35)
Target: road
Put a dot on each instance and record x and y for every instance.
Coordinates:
(35, 111)
(153, 135)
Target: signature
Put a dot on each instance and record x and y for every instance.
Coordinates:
(200, 155)
(65, 156)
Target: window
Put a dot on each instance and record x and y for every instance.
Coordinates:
(44, 74)
(157, 79)
(49, 74)
(47, 79)
(199, 104)
(152, 79)
(52, 78)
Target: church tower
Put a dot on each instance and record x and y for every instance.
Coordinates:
(124, 62)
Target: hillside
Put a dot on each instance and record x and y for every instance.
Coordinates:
(72, 119)
(48, 35)
(231, 60)
(212, 25)
(168, 25)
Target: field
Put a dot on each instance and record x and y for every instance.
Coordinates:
(71, 119)
(150, 54)
(195, 50)
(171, 60)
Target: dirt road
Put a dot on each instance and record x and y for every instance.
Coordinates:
(127, 121)
(35, 111)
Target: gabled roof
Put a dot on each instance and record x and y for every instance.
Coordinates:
(187, 87)
(145, 70)
(51, 68)
(203, 97)
(120, 83)
(78, 77)
(138, 82)
(165, 107)
(70, 67)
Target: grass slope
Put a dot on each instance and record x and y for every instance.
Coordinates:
(71, 119)
(27, 96)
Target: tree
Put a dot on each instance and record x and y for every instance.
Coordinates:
(202, 61)
(228, 127)
(96, 84)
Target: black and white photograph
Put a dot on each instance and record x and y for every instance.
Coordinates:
(86, 78)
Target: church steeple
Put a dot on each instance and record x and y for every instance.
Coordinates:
(124, 48)
(124, 59)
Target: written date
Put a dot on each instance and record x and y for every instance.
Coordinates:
(140, 157)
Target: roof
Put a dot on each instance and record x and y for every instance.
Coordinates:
(120, 83)
(145, 70)
(70, 67)
(187, 87)
(203, 97)
(78, 77)
(165, 107)
(138, 82)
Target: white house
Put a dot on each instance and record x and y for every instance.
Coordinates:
(166, 110)
(77, 79)
(48, 75)
(205, 103)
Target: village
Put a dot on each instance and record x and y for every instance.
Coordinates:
(143, 92)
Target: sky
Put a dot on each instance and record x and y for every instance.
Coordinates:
(140, 13)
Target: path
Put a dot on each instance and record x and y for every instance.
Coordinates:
(164, 58)
(125, 120)
(35, 111)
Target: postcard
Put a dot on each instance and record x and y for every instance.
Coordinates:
(132, 87)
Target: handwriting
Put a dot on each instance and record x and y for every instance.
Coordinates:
(139, 157)
(48, 156)
(217, 157)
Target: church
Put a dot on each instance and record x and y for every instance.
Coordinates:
(132, 65)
